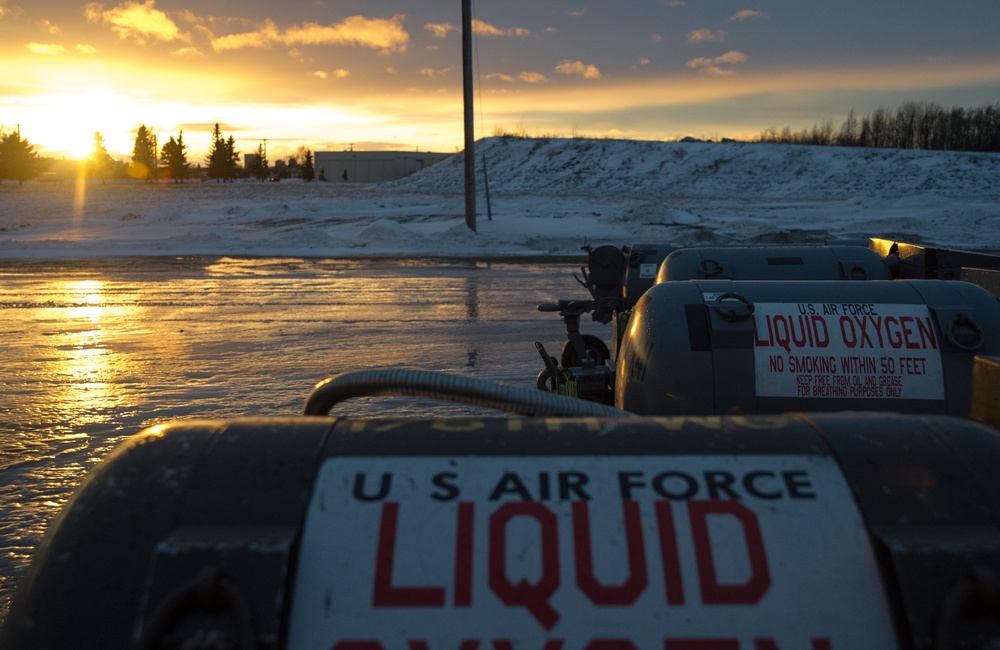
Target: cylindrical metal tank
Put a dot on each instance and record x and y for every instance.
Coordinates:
(643, 264)
(773, 263)
(712, 347)
(823, 531)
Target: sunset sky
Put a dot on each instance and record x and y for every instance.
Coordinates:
(376, 74)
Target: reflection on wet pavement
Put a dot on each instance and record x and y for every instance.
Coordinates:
(96, 351)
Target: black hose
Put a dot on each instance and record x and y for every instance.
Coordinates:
(405, 382)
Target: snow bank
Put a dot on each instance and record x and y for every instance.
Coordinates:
(547, 197)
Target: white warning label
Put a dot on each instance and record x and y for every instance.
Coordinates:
(604, 553)
(847, 350)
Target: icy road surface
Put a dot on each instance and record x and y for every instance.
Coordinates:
(96, 351)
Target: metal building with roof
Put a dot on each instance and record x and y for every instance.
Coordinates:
(372, 166)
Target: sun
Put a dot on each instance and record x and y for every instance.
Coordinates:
(70, 120)
(73, 145)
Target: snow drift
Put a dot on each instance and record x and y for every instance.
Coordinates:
(546, 197)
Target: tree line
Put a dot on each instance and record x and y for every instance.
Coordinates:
(911, 126)
(19, 160)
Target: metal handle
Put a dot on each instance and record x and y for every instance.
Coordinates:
(731, 314)
(710, 268)
(963, 322)
(858, 273)
(210, 591)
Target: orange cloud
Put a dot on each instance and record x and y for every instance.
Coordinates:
(339, 73)
(265, 36)
(47, 49)
(578, 68)
(706, 36)
(531, 77)
(432, 73)
(486, 29)
(385, 34)
(713, 65)
(141, 22)
(439, 30)
(732, 57)
(748, 14)
(86, 49)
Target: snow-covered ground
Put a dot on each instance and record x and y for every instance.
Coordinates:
(547, 197)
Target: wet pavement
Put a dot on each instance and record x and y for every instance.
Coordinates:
(96, 351)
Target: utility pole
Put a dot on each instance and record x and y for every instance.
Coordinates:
(470, 133)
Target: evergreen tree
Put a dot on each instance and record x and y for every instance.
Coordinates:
(257, 165)
(308, 171)
(217, 157)
(18, 160)
(100, 162)
(222, 159)
(144, 155)
(232, 159)
(174, 154)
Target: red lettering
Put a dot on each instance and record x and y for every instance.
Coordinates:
(907, 331)
(926, 329)
(713, 593)
(463, 555)
(852, 341)
(637, 581)
(759, 342)
(782, 337)
(669, 554)
(877, 321)
(824, 340)
(863, 323)
(386, 594)
(894, 337)
(802, 336)
(534, 597)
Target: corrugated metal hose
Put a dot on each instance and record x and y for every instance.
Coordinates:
(406, 382)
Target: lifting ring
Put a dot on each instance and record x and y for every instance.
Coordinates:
(731, 314)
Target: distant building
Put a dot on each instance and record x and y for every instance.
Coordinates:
(371, 166)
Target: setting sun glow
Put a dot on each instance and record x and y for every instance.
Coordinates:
(322, 76)
(72, 120)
